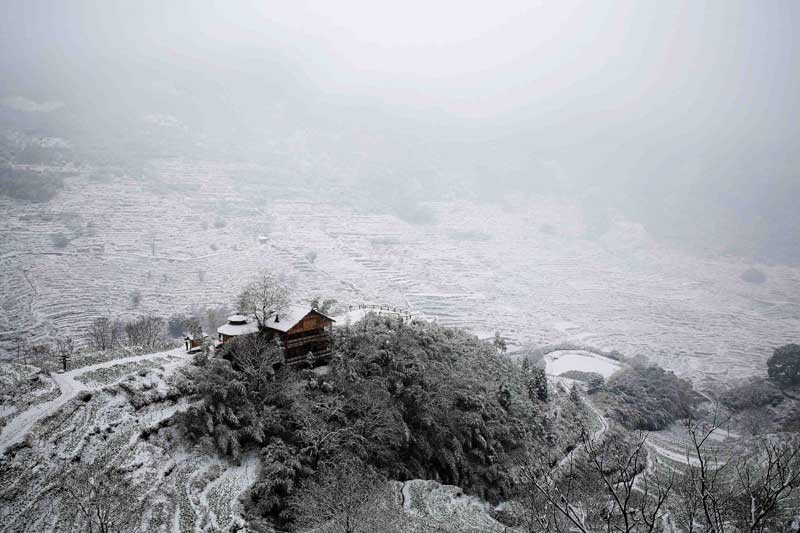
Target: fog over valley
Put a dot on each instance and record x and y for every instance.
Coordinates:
(449, 259)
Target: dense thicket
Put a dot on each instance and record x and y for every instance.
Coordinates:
(784, 366)
(751, 394)
(411, 400)
(649, 397)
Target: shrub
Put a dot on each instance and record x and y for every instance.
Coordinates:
(147, 332)
(179, 325)
(792, 422)
(103, 334)
(784, 366)
(176, 326)
(757, 392)
(649, 398)
(409, 400)
(580, 375)
(593, 380)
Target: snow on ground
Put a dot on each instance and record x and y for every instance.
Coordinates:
(350, 317)
(448, 503)
(113, 420)
(693, 315)
(560, 361)
(70, 385)
(22, 386)
(219, 500)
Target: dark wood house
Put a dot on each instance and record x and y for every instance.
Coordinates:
(304, 334)
(193, 343)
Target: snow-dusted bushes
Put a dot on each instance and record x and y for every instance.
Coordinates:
(411, 400)
(105, 375)
(753, 393)
(784, 366)
(24, 385)
(649, 397)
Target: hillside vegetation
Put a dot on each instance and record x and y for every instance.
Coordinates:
(649, 397)
(403, 400)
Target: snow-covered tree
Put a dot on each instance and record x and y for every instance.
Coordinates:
(263, 296)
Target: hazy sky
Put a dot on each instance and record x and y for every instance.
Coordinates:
(654, 95)
(696, 59)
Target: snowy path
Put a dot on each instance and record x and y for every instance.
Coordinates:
(595, 436)
(19, 426)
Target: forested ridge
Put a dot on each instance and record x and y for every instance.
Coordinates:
(407, 400)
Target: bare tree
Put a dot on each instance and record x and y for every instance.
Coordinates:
(64, 350)
(500, 343)
(601, 487)
(256, 357)
(765, 482)
(749, 492)
(21, 347)
(331, 422)
(346, 496)
(104, 500)
(704, 496)
(147, 332)
(40, 353)
(263, 297)
(544, 502)
(323, 306)
(103, 333)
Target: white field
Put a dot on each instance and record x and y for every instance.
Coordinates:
(624, 291)
(560, 361)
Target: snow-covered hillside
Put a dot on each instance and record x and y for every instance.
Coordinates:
(522, 267)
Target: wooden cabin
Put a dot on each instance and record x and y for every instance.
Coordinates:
(301, 331)
(193, 342)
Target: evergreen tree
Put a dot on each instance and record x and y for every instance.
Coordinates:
(784, 365)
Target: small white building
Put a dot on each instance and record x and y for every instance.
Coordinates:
(237, 325)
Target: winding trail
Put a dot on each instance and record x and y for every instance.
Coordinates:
(598, 433)
(18, 427)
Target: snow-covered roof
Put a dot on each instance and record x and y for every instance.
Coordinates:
(238, 325)
(289, 318)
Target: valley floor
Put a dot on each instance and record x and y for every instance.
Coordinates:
(523, 267)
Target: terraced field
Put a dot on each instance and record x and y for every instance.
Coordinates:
(671, 451)
(187, 488)
(521, 268)
(115, 415)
